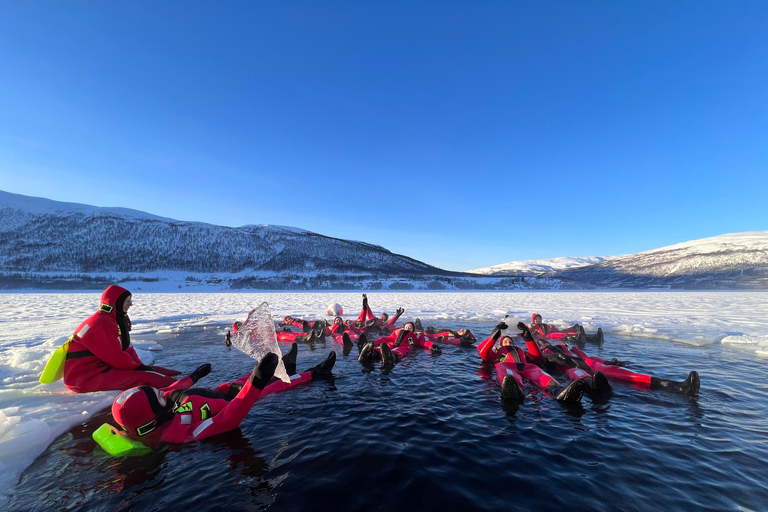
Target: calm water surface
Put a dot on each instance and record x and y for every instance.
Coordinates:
(433, 435)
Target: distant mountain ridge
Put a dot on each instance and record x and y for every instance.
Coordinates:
(732, 261)
(539, 267)
(43, 236)
(51, 244)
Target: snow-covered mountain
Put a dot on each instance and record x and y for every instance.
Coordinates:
(539, 267)
(40, 236)
(732, 261)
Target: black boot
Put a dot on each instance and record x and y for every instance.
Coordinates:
(346, 343)
(366, 354)
(417, 323)
(510, 390)
(305, 327)
(325, 367)
(264, 371)
(361, 342)
(435, 350)
(571, 393)
(387, 357)
(688, 387)
(598, 384)
(614, 362)
(289, 359)
(228, 339)
(318, 328)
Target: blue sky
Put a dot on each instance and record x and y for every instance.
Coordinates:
(464, 134)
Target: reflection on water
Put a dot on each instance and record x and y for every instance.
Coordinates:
(434, 434)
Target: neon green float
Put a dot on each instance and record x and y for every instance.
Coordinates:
(118, 444)
(54, 368)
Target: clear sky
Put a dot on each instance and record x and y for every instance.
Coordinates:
(463, 134)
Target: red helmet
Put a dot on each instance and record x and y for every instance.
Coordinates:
(138, 411)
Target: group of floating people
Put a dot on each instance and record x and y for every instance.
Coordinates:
(157, 405)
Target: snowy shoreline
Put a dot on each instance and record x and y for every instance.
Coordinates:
(34, 323)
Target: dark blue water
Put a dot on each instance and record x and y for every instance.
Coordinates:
(433, 435)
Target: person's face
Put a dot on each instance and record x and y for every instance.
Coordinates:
(462, 332)
(408, 327)
(127, 303)
(337, 321)
(161, 397)
(506, 342)
(537, 320)
(384, 317)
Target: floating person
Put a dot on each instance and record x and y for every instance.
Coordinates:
(100, 357)
(573, 359)
(575, 333)
(313, 335)
(392, 348)
(374, 324)
(176, 415)
(512, 365)
(463, 337)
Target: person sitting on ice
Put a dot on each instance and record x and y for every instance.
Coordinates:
(100, 356)
(572, 359)
(180, 414)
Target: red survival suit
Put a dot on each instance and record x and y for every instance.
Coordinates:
(511, 360)
(198, 413)
(100, 356)
(543, 330)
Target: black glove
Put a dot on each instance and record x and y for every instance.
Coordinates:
(521, 326)
(200, 372)
(264, 371)
(145, 368)
(502, 326)
(400, 311)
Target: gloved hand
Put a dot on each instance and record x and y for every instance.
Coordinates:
(200, 372)
(145, 368)
(521, 326)
(502, 325)
(400, 311)
(264, 371)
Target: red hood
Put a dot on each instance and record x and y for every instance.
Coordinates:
(533, 317)
(112, 299)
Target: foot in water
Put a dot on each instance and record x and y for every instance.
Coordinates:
(366, 354)
(289, 359)
(387, 358)
(510, 390)
(325, 367)
(598, 385)
(361, 342)
(571, 393)
(689, 386)
(435, 350)
(346, 343)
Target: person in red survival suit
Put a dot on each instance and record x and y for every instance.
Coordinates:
(545, 330)
(392, 348)
(512, 365)
(572, 359)
(382, 323)
(100, 356)
(179, 415)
